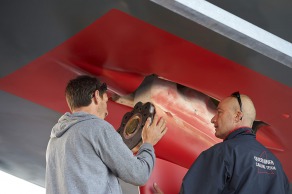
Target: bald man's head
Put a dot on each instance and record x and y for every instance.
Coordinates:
(231, 115)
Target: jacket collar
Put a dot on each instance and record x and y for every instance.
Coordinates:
(239, 131)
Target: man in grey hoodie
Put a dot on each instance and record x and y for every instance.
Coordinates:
(86, 155)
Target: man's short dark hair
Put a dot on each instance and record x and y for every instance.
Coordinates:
(80, 90)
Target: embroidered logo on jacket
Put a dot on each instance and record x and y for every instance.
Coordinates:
(265, 165)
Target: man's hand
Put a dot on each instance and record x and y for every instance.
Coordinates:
(156, 189)
(154, 132)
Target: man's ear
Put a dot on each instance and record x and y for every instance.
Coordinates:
(95, 96)
(239, 116)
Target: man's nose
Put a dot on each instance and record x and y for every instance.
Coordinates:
(213, 120)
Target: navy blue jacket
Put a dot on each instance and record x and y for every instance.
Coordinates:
(240, 164)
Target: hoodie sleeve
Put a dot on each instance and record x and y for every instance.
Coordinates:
(120, 159)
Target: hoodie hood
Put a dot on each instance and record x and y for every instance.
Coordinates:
(68, 120)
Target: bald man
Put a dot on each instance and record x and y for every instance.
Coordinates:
(240, 164)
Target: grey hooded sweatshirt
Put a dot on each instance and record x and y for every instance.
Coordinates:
(86, 155)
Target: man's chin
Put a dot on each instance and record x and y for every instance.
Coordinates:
(220, 136)
(216, 135)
